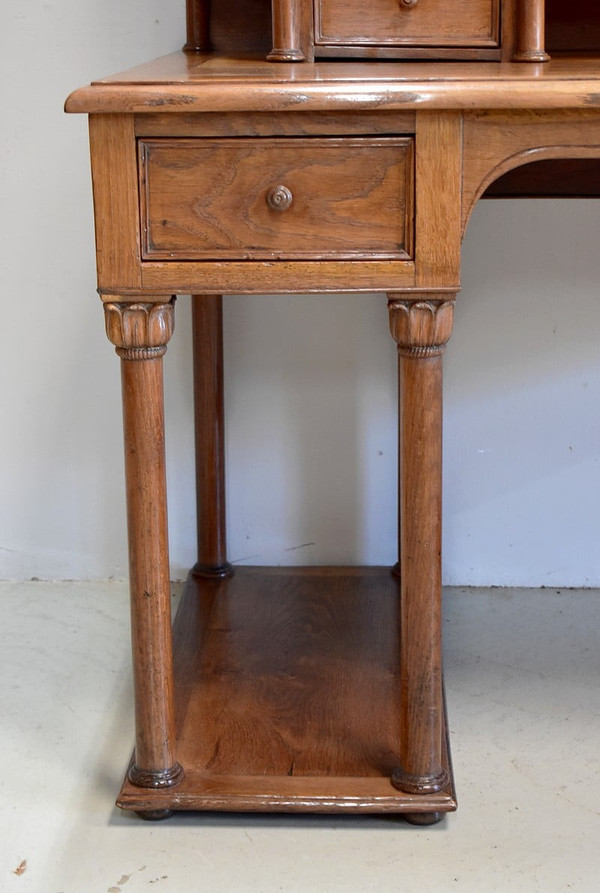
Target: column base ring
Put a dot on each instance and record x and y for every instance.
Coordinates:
(155, 778)
(419, 784)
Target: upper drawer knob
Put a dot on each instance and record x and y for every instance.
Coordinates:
(279, 198)
(408, 4)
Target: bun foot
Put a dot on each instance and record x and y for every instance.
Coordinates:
(423, 818)
(154, 815)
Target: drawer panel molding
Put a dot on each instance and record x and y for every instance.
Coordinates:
(461, 23)
(306, 198)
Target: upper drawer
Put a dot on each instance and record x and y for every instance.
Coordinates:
(276, 198)
(435, 23)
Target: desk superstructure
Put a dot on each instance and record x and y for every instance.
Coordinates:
(283, 151)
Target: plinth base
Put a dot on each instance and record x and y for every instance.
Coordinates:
(288, 695)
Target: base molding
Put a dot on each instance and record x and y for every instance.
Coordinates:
(287, 698)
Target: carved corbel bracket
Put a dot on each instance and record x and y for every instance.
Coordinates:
(139, 331)
(421, 327)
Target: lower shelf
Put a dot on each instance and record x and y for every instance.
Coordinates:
(287, 696)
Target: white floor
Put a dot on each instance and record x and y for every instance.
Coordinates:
(522, 674)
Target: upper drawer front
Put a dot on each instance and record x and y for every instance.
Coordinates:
(436, 23)
(276, 198)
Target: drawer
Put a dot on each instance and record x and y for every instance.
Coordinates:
(310, 198)
(434, 23)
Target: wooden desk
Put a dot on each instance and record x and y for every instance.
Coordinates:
(311, 689)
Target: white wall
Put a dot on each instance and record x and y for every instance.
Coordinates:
(310, 381)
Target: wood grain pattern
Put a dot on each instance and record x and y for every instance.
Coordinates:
(216, 84)
(407, 53)
(427, 23)
(421, 329)
(508, 28)
(140, 333)
(379, 123)
(498, 142)
(114, 180)
(292, 31)
(197, 26)
(307, 689)
(240, 27)
(438, 190)
(290, 277)
(297, 678)
(209, 421)
(531, 31)
(209, 199)
(204, 791)
(284, 675)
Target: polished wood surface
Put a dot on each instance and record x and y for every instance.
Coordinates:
(259, 277)
(140, 333)
(531, 31)
(291, 29)
(114, 176)
(464, 29)
(184, 83)
(424, 23)
(421, 329)
(498, 142)
(309, 689)
(438, 179)
(197, 26)
(289, 198)
(405, 29)
(209, 421)
(289, 695)
(276, 124)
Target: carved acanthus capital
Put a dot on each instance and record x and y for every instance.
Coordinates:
(421, 328)
(139, 331)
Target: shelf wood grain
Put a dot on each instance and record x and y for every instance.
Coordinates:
(287, 692)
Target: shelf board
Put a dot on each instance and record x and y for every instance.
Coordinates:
(287, 695)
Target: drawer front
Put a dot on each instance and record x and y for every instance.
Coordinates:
(204, 199)
(435, 23)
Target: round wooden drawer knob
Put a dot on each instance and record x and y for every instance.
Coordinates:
(408, 4)
(279, 198)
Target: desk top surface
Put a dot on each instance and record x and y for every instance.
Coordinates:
(184, 82)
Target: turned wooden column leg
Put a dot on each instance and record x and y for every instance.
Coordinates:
(207, 327)
(421, 329)
(140, 332)
(531, 36)
(287, 31)
(197, 26)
